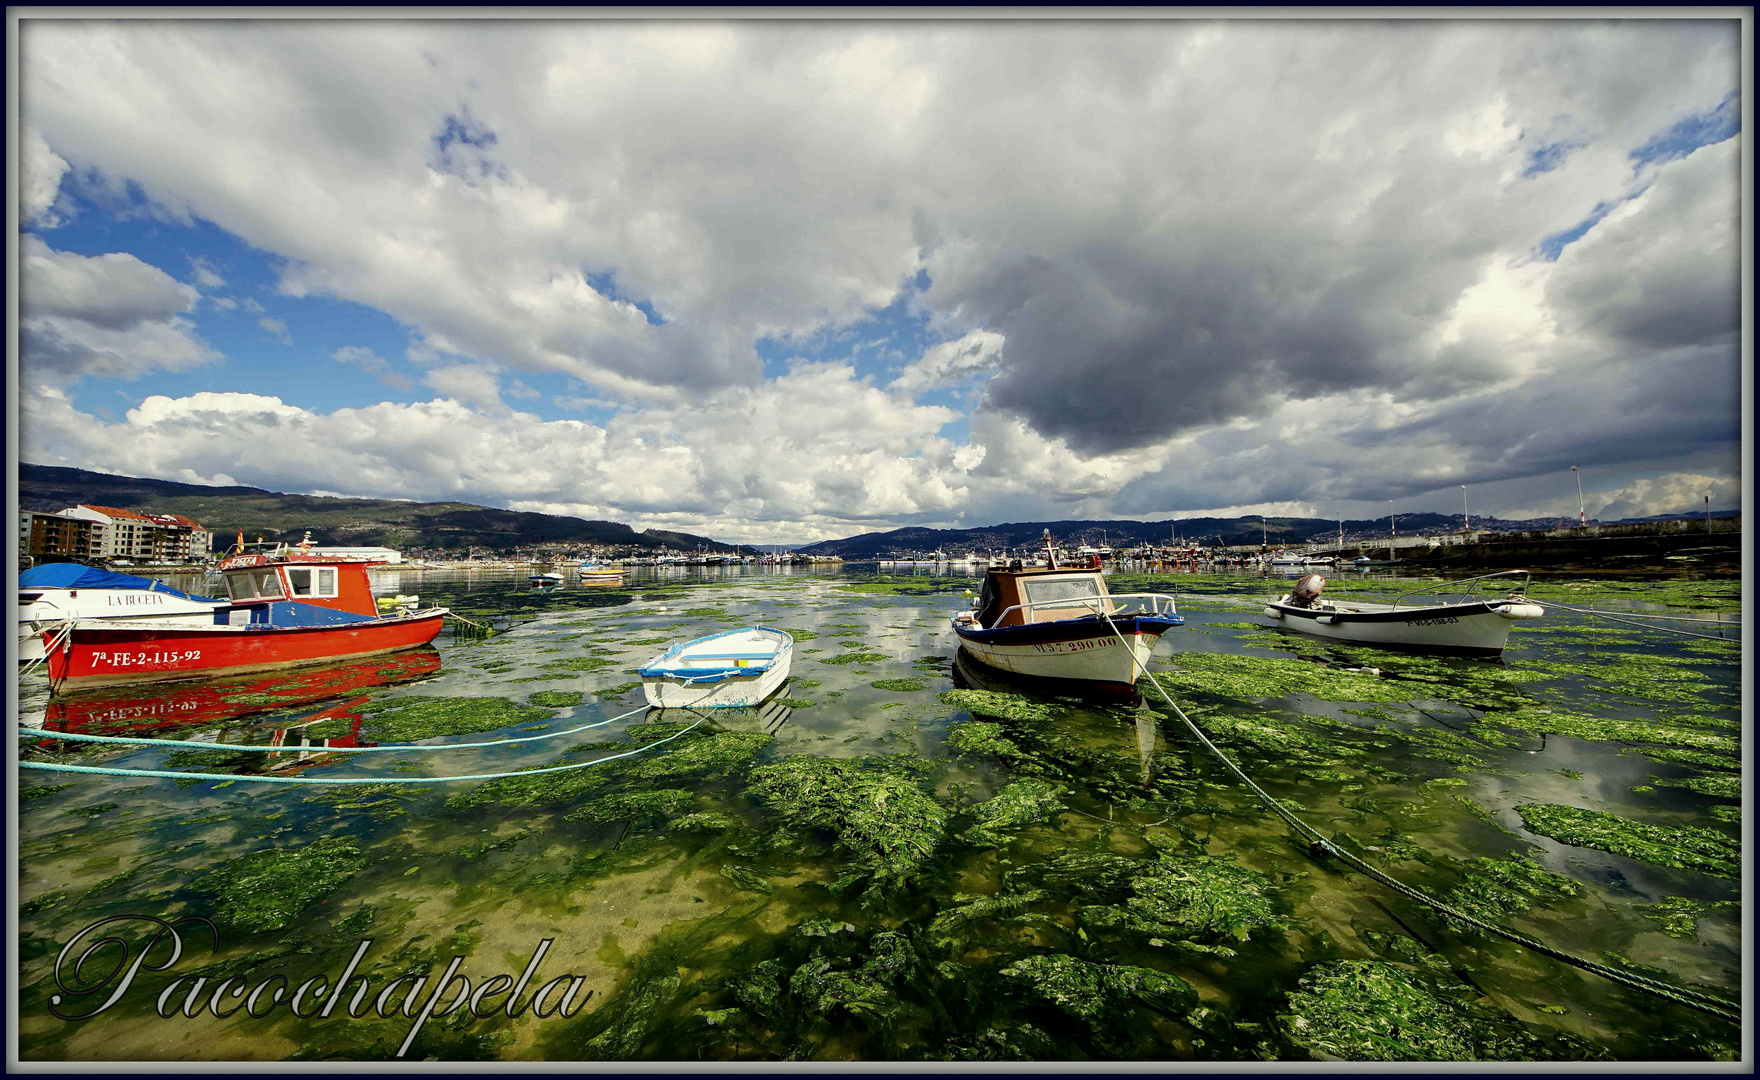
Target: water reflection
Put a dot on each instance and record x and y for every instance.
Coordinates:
(164, 710)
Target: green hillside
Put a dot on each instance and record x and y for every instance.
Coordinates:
(365, 522)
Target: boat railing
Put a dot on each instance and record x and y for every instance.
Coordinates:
(1467, 596)
(1108, 605)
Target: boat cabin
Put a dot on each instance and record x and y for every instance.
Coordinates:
(340, 585)
(1016, 594)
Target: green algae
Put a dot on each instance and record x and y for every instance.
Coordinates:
(1100, 993)
(642, 809)
(1685, 847)
(1017, 805)
(1718, 787)
(796, 703)
(1678, 917)
(899, 686)
(1685, 757)
(269, 889)
(620, 689)
(1007, 706)
(1372, 1010)
(576, 663)
(1197, 900)
(1493, 890)
(704, 821)
(410, 719)
(1257, 678)
(555, 699)
(40, 791)
(703, 758)
(876, 810)
(979, 737)
(800, 635)
(857, 657)
(90, 811)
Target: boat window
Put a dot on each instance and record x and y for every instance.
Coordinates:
(1041, 593)
(268, 583)
(238, 587)
(327, 582)
(299, 579)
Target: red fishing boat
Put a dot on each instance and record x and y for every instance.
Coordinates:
(286, 608)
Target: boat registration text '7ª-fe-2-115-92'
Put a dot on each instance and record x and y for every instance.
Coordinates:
(110, 659)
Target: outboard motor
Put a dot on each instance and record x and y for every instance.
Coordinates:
(1307, 591)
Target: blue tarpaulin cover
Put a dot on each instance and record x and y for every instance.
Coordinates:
(75, 576)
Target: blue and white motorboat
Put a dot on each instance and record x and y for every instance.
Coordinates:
(732, 669)
(1060, 622)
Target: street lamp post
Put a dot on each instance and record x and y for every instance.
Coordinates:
(1466, 522)
(1392, 526)
(1582, 518)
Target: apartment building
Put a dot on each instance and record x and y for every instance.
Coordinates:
(154, 539)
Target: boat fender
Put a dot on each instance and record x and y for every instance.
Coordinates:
(1273, 611)
(1327, 619)
(1520, 611)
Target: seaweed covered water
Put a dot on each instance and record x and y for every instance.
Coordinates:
(904, 857)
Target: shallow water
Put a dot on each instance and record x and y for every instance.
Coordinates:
(875, 868)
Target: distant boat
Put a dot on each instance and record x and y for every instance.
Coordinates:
(1466, 626)
(599, 574)
(1061, 623)
(732, 669)
(550, 578)
(50, 595)
(287, 609)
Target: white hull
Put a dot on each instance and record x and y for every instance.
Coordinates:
(1475, 627)
(1106, 660)
(54, 606)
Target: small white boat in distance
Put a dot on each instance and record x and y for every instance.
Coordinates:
(549, 578)
(732, 669)
(1466, 626)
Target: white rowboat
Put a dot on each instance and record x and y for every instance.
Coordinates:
(732, 669)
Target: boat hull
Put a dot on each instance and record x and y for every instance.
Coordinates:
(1475, 629)
(1071, 650)
(107, 656)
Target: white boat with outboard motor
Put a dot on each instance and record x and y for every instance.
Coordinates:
(1467, 625)
(732, 669)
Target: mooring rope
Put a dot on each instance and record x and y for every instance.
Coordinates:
(264, 748)
(54, 643)
(1705, 1003)
(1626, 617)
(315, 780)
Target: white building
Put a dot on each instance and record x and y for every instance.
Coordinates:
(376, 554)
(156, 539)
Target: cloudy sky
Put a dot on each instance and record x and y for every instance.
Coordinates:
(789, 281)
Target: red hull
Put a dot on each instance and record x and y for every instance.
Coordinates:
(98, 656)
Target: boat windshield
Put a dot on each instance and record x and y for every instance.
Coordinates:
(252, 584)
(1047, 594)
